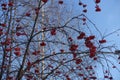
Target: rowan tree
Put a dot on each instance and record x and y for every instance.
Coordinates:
(45, 39)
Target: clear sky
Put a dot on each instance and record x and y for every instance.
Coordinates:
(108, 20)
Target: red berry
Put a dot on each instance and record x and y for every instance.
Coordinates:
(85, 10)
(17, 53)
(73, 47)
(81, 74)
(4, 66)
(92, 54)
(85, 78)
(35, 53)
(27, 14)
(8, 39)
(80, 3)
(106, 71)
(95, 58)
(74, 55)
(78, 61)
(28, 63)
(18, 27)
(1, 33)
(98, 9)
(106, 76)
(3, 43)
(4, 5)
(84, 19)
(114, 66)
(9, 78)
(111, 78)
(23, 33)
(88, 44)
(70, 39)
(62, 50)
(102, 41)
(1, 29)
(93, 77)
(3, 25)
(58, 72)
(90, 37)
(84, 5)
(44, 1)
(42, 44)
(97, 1)
(17, 49)
(84, 23)
(44, 28)
(8, 49)
(37, 10)
(38, 51)
(53, 32)
(67, 77)
(81, 36)
(18, 34)
(36, 70)
(4, 8)
(60, 2)
(10, 4)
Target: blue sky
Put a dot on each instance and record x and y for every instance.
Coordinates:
(108, 20)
